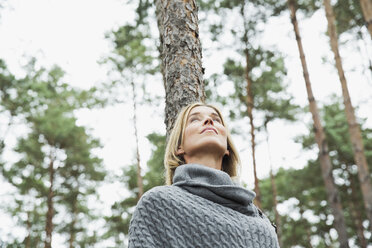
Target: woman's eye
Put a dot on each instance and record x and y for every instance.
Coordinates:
(217, 119)
(193, 119)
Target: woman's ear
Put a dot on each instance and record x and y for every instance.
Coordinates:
(180, 151)
(227, 152)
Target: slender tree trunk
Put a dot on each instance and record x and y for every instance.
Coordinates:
(253, 138)
(354, 129)
(50, 212)
(181, 56)
(367, 13)
(273, 186)
(250, 104)
(139, 177)
(73, 223)
(355, 213)
(325, 161)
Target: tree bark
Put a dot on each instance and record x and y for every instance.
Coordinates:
(354, 129)
(367, 13)
(325, 161)
(181, 56)
(250, 105)
(50, 212)
(355, 213)
(139, 176)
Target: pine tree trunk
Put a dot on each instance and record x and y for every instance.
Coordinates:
(50, 212)
(139, 176)
(325, 161)
(367, 13)
(253, 138)
(250, 104)
(273, 186)
(354, 129)
(181, 56)
(355, 212)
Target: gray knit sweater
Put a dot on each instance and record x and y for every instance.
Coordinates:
(203, 208)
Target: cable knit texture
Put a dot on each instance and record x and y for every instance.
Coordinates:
(203, 208)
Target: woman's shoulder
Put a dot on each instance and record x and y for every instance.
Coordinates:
(159, 193)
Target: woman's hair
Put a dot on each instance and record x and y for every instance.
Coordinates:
(230, 163)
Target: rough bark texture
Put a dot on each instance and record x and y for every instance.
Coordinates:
(325, 161)
(367, 13)
(181, 56)
(50, 212)
(355, 214)
(139, 176)
(354, 129)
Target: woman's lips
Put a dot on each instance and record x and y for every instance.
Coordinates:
(209, 129)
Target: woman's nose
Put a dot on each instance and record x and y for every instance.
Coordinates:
(209, 121)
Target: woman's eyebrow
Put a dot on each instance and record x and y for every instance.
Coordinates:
(198, 113)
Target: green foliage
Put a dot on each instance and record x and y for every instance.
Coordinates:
(349, 17)
(307, 7)
(266, 68)
(303, 191)
(306, 185)
(121, 211)
(269, 93)
(25, 98)
(156, 174)
(47, 104)
(132, 53)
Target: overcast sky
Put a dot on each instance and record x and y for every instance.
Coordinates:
(70, 33)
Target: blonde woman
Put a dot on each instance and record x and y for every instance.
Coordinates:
(201, 206)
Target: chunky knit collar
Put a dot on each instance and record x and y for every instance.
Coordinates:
(216, 186)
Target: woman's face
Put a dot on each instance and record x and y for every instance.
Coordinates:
(204, 133)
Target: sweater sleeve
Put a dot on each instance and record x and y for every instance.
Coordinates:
(142, 228)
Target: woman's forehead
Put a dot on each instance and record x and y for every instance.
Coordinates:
(203, 110)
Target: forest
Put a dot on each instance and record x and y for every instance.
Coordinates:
(299, 113)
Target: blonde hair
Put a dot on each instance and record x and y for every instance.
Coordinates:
(230, 163)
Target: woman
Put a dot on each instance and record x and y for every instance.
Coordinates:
(201, 206)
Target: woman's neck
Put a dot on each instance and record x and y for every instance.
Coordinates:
(209, 160)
